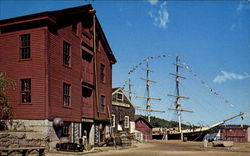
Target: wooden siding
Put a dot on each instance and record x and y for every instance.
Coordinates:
(141, 126)
(33, 68)
(79, 74)
(120, 111)
(104, 88)
(59, 74)
(234, 134)
(47, 72)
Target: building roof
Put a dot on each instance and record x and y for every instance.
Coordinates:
(117, 89)
(83, 8)
(234, 126)
(53, 18)
(144, 120)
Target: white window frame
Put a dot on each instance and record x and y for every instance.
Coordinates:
(67, 94)
(126, 121)
(118, 99)
(113, 120)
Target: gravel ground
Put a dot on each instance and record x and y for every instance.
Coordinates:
(170, 148)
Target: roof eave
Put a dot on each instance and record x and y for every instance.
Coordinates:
(112, 57)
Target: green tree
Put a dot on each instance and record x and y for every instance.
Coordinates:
(5, 108)
(158, 122)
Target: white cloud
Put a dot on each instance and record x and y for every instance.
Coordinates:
(243, 6)
(160, 17)
(229, 76)
(129, 24)
(152, 2)
(240, 7)
(233, 27)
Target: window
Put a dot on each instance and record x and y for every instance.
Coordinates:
(86, 56)
(86, 92)
(74, 28)
(113, 120)
(26, 90)
(66, 94)
(119, 96)
(102, 103)
(66, 53)
(65, 129)
(102, 73)
(126, 122)
(25, 46)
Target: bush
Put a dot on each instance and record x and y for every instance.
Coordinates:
(5, 109)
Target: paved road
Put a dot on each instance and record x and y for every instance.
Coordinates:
(175, 148)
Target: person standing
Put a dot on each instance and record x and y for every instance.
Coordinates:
(85, 140)
(205, 140)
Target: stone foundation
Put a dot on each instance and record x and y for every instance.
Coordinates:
(21, 139)
(33, 132)
(42, 133)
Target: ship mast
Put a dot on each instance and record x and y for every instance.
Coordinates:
(148, 98)
(129, 88)
(177, 96)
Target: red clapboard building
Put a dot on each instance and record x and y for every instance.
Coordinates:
(144, 126)
(62, 64)
(235, 133)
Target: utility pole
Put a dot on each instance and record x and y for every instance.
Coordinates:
(177, 96)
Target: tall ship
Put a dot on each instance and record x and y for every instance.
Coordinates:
(194, 133)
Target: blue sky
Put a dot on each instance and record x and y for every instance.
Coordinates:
(212, 38)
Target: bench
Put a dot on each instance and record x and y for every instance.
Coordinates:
(23, 150)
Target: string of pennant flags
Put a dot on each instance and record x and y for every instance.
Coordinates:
(214, 92)
(144, 61)
(147, 59)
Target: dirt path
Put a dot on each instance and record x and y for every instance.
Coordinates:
(176, 148)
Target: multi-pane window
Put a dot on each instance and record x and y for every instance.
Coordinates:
(113, 120)
(102, 73)
(126, 122)
(66, 53)
(25, 46)
(102, 103)
(66, 94)
(25, 90)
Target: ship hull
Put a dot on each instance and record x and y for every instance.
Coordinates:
(194, 136)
